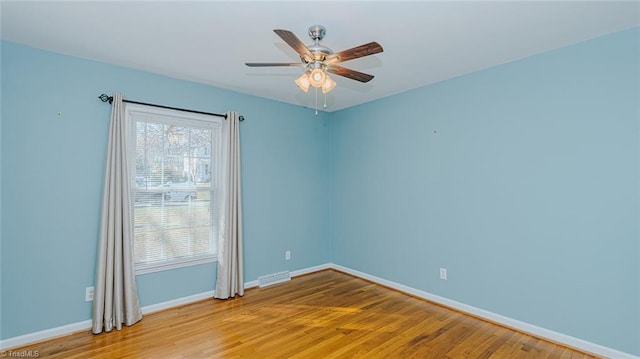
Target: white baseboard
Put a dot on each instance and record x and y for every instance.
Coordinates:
(147, 309)
(44, 335)
(497, 318)
(308, 270)
(580, 344)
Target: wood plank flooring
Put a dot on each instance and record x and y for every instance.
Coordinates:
(326, 314)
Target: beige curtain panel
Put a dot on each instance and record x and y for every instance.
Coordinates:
(116, 296)
(230, 278)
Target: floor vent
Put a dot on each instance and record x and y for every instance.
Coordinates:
(274, 278)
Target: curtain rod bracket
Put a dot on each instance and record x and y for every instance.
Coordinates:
(107, 98)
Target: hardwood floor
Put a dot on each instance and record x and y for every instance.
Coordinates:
(326, 314)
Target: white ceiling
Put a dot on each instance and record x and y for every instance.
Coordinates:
(209, 41)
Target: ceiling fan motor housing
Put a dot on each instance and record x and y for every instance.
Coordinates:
(316, 33)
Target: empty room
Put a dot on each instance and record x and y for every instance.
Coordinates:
(320, 179)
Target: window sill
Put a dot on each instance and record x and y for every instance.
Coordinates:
(159, 266)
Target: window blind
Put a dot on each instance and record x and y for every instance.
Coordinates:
(175, 186)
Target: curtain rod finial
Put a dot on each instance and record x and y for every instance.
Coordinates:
(105, 98)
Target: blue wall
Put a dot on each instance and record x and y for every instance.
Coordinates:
(52, 169)
(522, 180)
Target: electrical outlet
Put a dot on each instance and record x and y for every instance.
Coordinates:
(287, 255)
(443, 273)
(88, 294)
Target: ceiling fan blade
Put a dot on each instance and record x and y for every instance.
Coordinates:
(348, 73)
(292, 40)
(354, 53)
(267, 64)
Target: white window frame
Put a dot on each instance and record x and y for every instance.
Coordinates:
(180, 118)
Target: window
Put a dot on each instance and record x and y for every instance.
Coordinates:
(173, 155)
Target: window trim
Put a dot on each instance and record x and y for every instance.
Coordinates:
(161, 115)
(159, 266)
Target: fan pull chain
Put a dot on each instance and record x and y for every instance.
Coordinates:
(316, 101)
(325, 101)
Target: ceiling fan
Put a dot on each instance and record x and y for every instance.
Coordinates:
(318, 60)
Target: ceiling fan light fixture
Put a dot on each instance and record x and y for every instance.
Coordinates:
(317, 77)
(303, 82)
(328, 85)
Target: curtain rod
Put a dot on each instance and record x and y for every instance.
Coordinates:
(106, 98)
